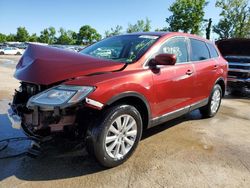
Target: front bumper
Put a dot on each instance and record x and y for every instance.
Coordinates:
(239, 83)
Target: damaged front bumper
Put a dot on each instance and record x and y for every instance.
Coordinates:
(37, 118)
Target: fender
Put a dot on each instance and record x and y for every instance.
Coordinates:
(225, 84)
(131, 94)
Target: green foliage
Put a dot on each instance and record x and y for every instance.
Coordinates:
(2, 38)
(11, 38)
(33, 38)
(66, 37)
(140, 26)
(87, 35)
(187, 16)
(162, 29)
(114, 31)
(22, 34)
(235, 19)
(48, 36)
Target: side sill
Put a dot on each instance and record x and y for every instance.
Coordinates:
(199, 104)
(177, 113)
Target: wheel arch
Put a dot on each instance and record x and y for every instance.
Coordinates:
(134, 99)
(222, 84)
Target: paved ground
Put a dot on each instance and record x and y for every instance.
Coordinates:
(187, 152)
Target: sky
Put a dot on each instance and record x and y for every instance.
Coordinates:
(36, 15)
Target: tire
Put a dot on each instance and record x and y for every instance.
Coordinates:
(18, 53)
(1, 53)
(113, 153)
(214, 102)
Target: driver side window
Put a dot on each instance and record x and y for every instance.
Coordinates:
(176, 46)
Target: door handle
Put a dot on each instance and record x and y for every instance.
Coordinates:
(189, 72)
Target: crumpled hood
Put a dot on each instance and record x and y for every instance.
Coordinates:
(46, 65)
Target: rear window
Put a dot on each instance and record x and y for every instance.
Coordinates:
(199, 50)
(213, 51)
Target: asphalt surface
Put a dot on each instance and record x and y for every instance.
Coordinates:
(186, 152)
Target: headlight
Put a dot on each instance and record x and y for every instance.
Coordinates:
(59, 96)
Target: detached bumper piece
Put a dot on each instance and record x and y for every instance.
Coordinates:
(15, 120)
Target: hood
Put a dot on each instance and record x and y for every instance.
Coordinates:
(234, 47)
(46, 65)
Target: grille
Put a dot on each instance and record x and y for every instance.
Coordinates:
(241, 75)
(239, 67)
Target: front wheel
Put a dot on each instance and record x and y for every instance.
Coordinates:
(214, 102)
(116, 135)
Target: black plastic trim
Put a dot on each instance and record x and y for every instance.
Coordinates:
(177, 113)
(131, 94)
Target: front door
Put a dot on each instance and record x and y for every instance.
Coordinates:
(174, 84)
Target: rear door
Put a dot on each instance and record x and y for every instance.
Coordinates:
(205, 68)
(174, 84)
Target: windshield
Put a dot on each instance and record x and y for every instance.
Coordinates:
(124, 48)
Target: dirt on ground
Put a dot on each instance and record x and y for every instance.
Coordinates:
(186, 152)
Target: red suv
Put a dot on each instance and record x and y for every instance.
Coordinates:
(111, 91)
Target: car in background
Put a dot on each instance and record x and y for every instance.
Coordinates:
(107, 94)
(237, 53)
(11, 51)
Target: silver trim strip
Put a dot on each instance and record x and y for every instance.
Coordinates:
(196, 105)
(238, 80)
(239, 64)
(238, 70)
(94, 103)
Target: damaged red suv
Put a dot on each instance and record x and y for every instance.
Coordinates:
(111, 91)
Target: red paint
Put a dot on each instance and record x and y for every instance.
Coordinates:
(167, 89)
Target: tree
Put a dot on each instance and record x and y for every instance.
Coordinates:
(2, 37)
(10, 37)
(208, 28)
(22, 34)
(48, 35)
(235, 19)
(114, 31)
(140, 26)
(164, 29)
(88, 35)
(33, 38)
(187, 16)
(66, 37)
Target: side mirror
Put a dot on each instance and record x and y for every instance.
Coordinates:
(163, 59)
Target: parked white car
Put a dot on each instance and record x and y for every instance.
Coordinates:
(11, 51)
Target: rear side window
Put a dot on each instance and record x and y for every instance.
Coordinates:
(199, 50)
(213, 51)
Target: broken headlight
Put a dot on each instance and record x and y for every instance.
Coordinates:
(60, 96)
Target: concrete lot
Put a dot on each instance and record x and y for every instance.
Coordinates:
(186, 152)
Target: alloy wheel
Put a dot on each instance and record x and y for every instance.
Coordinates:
(121, 136)
(215, 102)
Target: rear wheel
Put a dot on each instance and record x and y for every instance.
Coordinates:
(214, 102)
(116, 135)
(1, 53)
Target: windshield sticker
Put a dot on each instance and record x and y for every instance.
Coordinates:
(149, 37)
